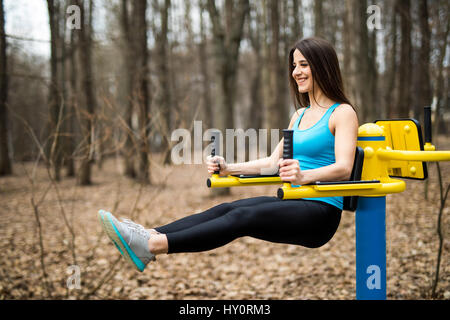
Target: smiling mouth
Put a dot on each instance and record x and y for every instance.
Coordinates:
(300, 81)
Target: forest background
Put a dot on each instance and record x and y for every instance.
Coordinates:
(87, 123)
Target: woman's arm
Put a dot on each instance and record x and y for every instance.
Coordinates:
(267, 165)
(345, 123)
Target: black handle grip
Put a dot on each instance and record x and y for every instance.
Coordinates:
(288, 152)
(216, 146)
(213, 150)
(288, 145)
(427, 124)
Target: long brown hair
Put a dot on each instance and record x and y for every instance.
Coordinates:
(324, 64)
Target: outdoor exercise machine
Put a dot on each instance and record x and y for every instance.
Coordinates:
(386, 149)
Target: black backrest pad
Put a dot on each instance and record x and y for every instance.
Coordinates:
(351, 202)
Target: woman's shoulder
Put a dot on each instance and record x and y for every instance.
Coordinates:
(345, 107)
(345, 110)
(344, 114)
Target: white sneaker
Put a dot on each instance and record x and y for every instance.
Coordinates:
(130, 238)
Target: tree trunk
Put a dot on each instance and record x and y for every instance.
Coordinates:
(404, 93)
(362, 61)
(350, 60)
(256, 98)
(164, 78)
(72, 105)
(277, 106)
(331, 23)
(391, 73)
(66, 119)
(143, 98)
(226, 42)
(129, 71)
(296, 27)
(226, 54)
(423, 64)
(443, 29)
(374, 111)
(318, 19)
(55, 107)
(87, 76)
(203, 62)
(274, 104)
(5, 162)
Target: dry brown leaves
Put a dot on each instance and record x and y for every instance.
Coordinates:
(247, 268)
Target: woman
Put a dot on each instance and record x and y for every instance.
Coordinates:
(325, 131)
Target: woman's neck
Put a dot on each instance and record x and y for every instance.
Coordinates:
(318, 100)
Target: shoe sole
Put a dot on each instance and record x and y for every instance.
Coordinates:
(101, 218)
(116, 237)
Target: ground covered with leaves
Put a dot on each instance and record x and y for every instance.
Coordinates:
(46, 228)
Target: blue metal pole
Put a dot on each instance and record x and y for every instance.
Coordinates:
(370, 223)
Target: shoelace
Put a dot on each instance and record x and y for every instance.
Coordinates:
(137, 229)
(136, 226)
(133, 224)
(140, 229)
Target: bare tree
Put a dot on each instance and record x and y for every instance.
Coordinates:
(404, 93)
(391, 61)
(318, 19)
(72, 104)
(424, 60)
(87, 76)
(226, 42)
(5, 162)
(349, 36)
(256, 97)
(373, 111)
(296, 27)
(363, 61)
(64, 156)
(143, 95)
(162, 57)
(442, 30)
(278, 71)
(129, 69)
(55, 106)
(203, 64)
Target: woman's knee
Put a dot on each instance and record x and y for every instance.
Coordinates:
(225, 207)
(240, 218)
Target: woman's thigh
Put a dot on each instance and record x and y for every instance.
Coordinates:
(254, 201)
(301, 222)
(213, 213)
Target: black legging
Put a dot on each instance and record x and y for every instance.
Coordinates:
(302, 222)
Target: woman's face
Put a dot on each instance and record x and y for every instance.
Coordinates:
(302, 73)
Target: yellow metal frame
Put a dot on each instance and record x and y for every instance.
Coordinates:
(378, 159)
(344, 190)
(404, 135)
(232, 181)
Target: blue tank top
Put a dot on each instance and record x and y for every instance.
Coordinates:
(314, 148)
